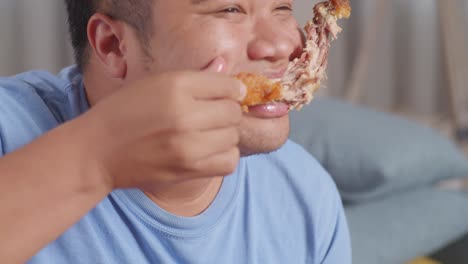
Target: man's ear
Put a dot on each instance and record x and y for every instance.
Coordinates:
(105, 37)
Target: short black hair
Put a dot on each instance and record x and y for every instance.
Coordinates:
(136, 13)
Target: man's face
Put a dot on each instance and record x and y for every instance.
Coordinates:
(258, 36)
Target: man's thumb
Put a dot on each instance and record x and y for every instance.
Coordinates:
(216, 65)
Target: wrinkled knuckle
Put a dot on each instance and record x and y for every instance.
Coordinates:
(183, 155)
(176, 149)
(172, 143)
(183, 82)
(183, 159)
(233, 136)
(234, 106)
(172, 100)
(176, 80)
(234, 111)
(229, 168)
(181, 124)
(164, 178)
(230, 165)
(237, 111)
(175, 88)
(196, 166)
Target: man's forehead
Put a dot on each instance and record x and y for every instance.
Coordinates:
(198, 2)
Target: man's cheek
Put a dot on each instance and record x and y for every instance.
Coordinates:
(293, 31)
(229, 49)
(223, 41)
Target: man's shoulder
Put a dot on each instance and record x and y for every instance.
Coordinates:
(32, 103)
(33, 85)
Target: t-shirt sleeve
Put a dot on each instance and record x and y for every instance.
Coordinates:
(2, 148)
(2, 152)
(339, 250)
(331, 240)
(25, 113)
(3, 121)
(335, 240)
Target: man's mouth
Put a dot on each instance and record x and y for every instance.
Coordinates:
(270, 110)
(273, 109)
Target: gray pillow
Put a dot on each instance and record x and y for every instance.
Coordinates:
(372, 154)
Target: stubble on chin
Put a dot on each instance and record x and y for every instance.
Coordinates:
(262, 136)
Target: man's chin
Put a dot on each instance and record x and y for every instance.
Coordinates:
(260, 135)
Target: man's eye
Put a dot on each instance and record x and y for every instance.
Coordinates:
(285, 8)
(232, 9)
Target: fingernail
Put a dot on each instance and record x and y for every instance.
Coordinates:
(220, 67)
(243, 91)
(217, 65)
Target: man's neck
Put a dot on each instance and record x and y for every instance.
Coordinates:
(186, 199)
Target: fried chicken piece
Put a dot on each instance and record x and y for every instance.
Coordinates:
(341, 8)
(304, 74)
(260, 90)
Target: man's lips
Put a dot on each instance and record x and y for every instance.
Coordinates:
(270, 110)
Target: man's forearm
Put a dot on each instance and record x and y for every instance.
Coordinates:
(45, 187)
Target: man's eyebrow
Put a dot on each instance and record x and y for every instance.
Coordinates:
(198, 2)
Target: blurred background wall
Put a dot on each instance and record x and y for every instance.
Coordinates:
(33, 35)
(405, 69)
(394, 51)
(406, 60)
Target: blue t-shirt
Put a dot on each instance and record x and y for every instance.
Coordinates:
(280, 207)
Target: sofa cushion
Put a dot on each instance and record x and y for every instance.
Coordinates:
(370, 153)
(399, 228)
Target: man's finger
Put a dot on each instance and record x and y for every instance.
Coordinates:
(214, 114)
(219, 86)
(215, 86)
(221, 164)
(217, 65)
(202, 145)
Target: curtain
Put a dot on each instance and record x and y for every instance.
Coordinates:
(405, 65)
(33, 35)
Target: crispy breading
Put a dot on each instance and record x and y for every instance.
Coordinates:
(342, 8)
(260, 89)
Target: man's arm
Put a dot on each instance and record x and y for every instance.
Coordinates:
(160, 131)
(45, 187)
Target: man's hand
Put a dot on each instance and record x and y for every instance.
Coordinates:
(166, 129)
(157, 131)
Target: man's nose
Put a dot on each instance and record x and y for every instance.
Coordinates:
(272, 43)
